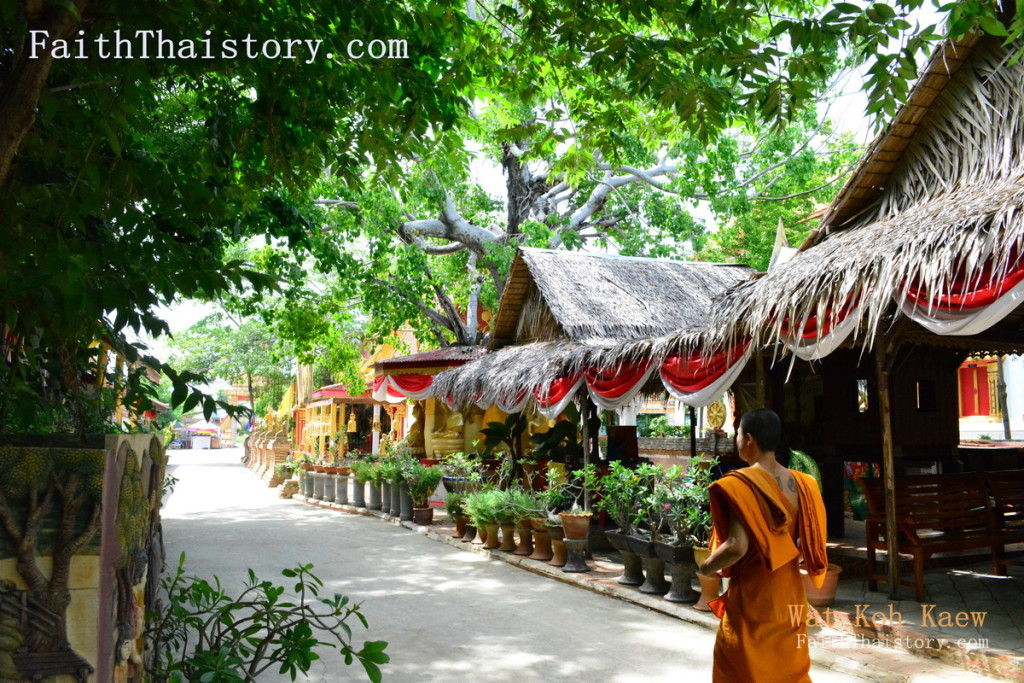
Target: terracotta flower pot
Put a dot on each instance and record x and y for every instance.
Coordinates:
(460, 526)
(541, 545)
(508, 538)
(469, 534)
(826, 595)
(577, 526)
(492, 541)
(558, 554)
(423, 516)
(525, 530)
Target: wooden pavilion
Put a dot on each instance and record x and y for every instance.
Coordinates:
(856, 339)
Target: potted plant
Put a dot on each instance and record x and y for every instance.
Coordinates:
(487, 509)
(455, 510)
(401, 500)
(365, 472)
(684, 499)
(618, 493)
(422, 481)
(523, 505)
(317, 459)
(697, 524)
(385, 483)
(575, 520)
(462, 473)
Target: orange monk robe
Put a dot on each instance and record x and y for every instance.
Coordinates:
(763, 633)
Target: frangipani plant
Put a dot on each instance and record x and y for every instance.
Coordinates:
(686, 502)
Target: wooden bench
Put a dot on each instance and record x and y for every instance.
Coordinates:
(934, 514)
(1006, 493)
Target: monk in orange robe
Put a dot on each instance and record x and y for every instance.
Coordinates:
(765, 518)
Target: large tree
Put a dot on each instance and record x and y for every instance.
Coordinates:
(434, 246)
(624, 125)
(123, 180)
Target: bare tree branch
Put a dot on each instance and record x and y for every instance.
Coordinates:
(435, 317)
(337, 204)
(828, 182)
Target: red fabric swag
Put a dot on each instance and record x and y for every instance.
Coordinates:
(810, 328)
(971, 291)
(559, 388)
(409, 383)
(613, 383)
(696, 371)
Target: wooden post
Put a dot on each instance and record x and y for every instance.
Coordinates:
(883, 359)
(585, 437)
(693, 432)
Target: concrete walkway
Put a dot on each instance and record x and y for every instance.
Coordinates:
(448, 614)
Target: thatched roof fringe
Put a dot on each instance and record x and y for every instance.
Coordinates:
(970, 135)
(600, 298)
(927, 246)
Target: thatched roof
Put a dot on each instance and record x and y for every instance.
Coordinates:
(954, 198)
(568, 309)
(597, 298)
(884, 154)
(505, 373)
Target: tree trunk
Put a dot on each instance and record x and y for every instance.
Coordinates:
(252, 397)
(24, 87)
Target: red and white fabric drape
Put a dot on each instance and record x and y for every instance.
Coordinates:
(695, 379)
(611, 389)
(823, 333)
(513, 404)
(698, 380)
(972, 304)
(552, 403)
(397, 388)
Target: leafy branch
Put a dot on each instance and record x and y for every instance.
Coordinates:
(205, 634)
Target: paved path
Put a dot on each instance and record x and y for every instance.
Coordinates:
(448, 615)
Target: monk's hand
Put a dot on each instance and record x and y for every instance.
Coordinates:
(711, 575)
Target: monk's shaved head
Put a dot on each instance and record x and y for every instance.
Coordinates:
(765, 426)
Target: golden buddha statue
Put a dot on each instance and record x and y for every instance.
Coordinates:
(449, 437)
(415, 434)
